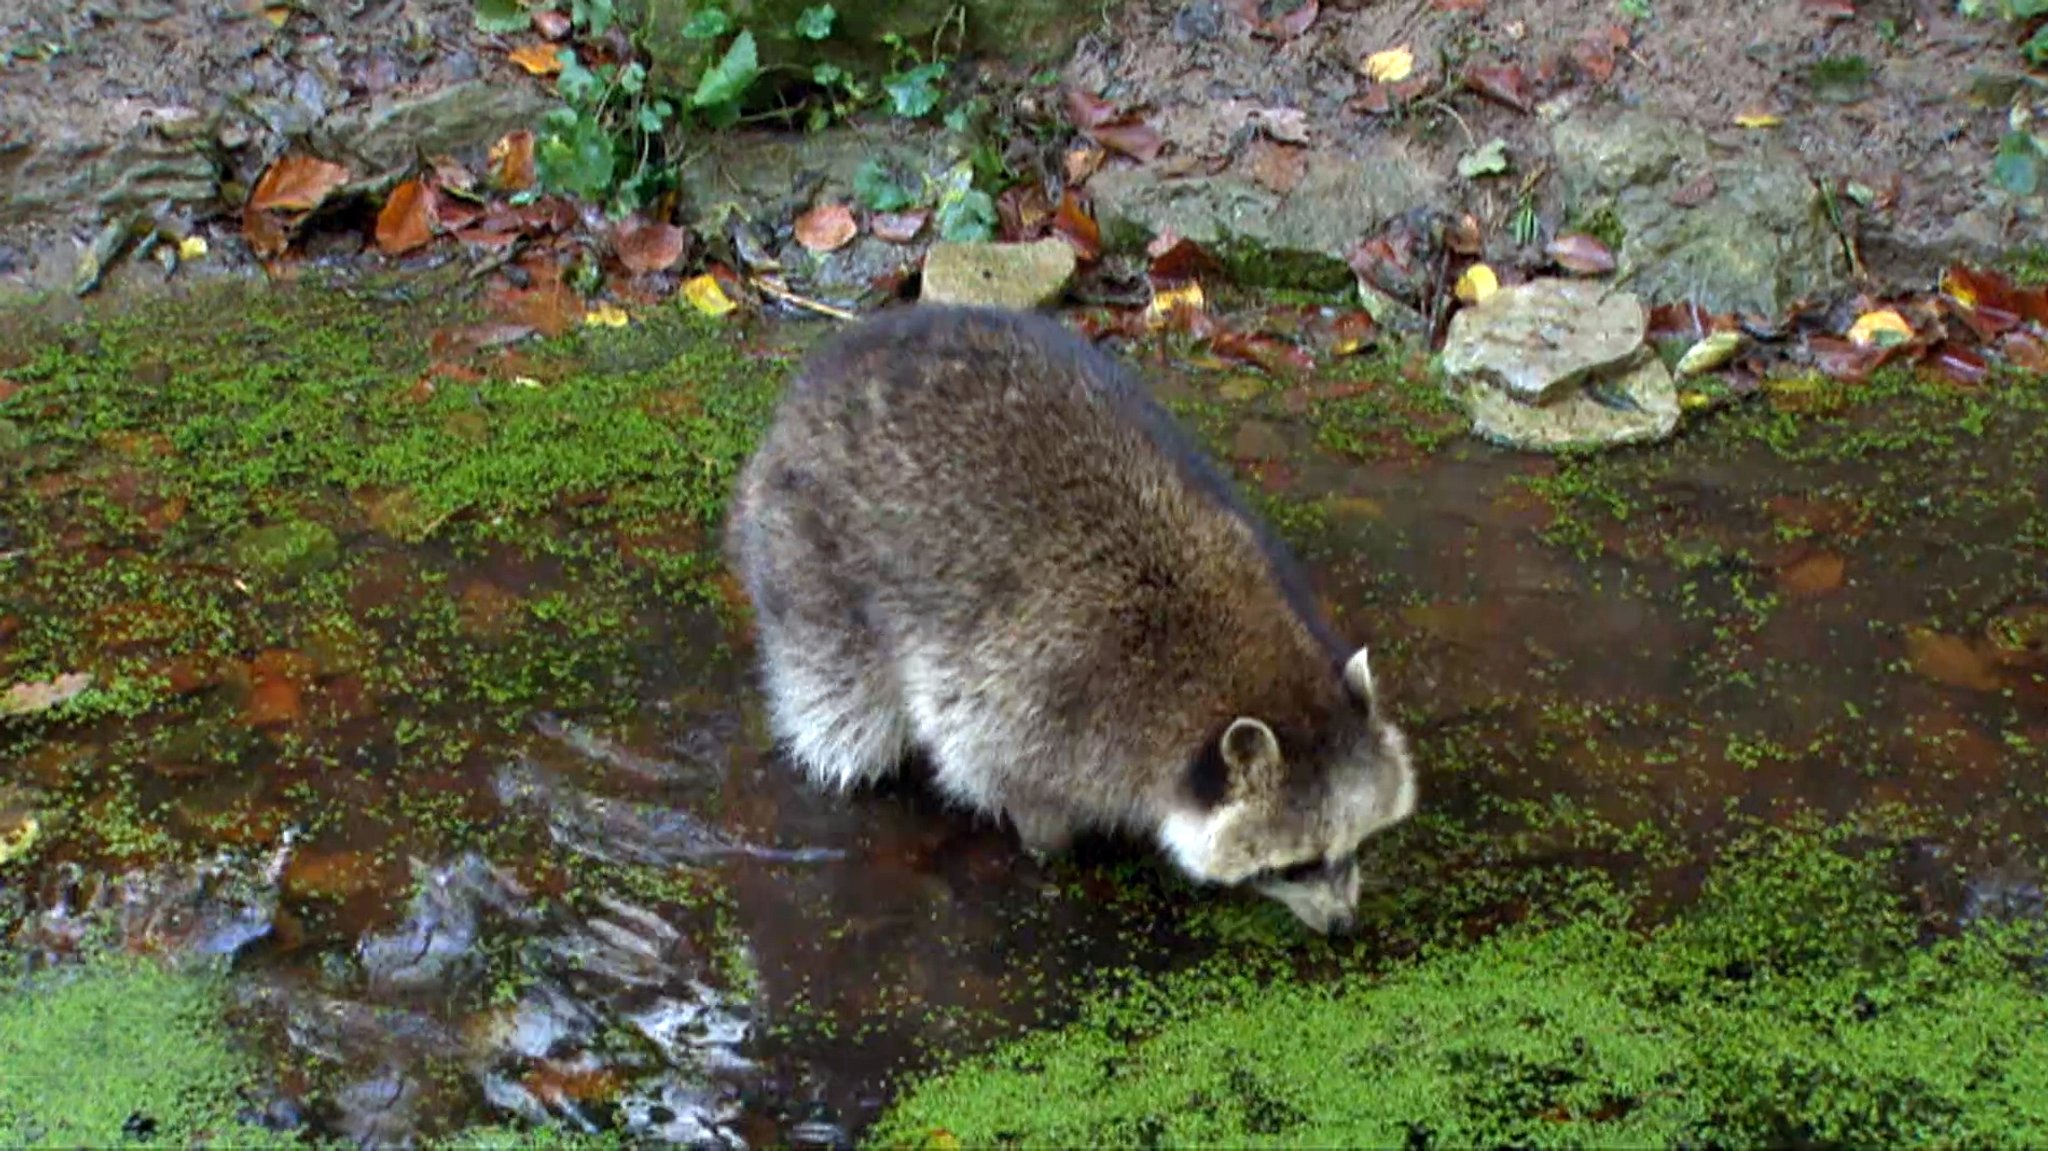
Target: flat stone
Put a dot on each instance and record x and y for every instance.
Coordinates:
(1539, 340)
(389, 133)
(1016, 276)
(1640, 406)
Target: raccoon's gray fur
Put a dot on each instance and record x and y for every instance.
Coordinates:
(970, 533)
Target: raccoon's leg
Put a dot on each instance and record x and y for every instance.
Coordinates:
(834, 707)
(1043, 831)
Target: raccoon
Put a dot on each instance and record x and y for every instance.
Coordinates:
(971, 535)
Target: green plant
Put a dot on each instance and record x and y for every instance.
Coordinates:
(2022, 152)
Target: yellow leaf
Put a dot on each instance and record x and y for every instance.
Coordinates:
(277, 16)
(192, 248)
(1165, 301)
(1959, 291)
(14, 844)
(1477, 283)
(606, 316)
(1710, 353)
(1390, 66)
(708, 296)
(1692, 401)
(1758, 120)
(1880, 329)
(538, 59)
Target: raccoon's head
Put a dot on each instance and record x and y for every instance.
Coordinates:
(1285, 812)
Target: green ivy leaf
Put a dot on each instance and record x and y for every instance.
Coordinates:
(816, 23)
(968, 218)
(726, 82)
(2036, 48)
(497, 17)
(632, 78)
(2017, 165)
(596, 16)
(915, 93)
(882, 188)
(1489, 159)
(575, 156)
(707, 24)
(579, 85)
(826, 75)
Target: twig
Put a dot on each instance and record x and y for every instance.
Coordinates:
(789, 297)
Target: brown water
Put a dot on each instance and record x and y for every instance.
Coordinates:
(1809, 605)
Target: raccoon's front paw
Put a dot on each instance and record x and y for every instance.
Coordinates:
(1043, 835)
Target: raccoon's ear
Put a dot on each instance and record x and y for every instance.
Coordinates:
(1250, 749)
(1358, 677)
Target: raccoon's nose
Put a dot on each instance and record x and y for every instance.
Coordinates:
(1343, 923)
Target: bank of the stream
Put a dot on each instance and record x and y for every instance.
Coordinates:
(450, 616)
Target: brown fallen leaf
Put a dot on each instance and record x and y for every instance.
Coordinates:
(1501, 83)
(1269, 18)
(1176, 260)
(1023, 212)
(266, 236)
(1081, 162)
(1814, 574)
(1085, 109)
(1279, 168)
(827, 227)
(1594, 53)
(1960, 364)
(1850, 363)
(645, 247)
(1463, 235)
(407, 219)
(1695, 192)
(898, 227)
(1131, 136)
(1950, 660)
(296, 182)
(512, 161)
(538, 59)
(1581, 253)
(1076, 225)
(2026, 351)
(551, 24)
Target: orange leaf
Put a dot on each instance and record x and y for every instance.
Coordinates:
(297, 183)
(1503, 84)
(898, 227)
(1023, 213)
(267, 237)
(645, 247)
(826, 228)
(1077, 227)
(1129, 135)
(537, 59)
(407, 219)
(512, 161)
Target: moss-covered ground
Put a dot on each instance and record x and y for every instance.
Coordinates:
(324, 567)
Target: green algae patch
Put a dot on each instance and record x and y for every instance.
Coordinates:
(1792, 1004)
(119, 1052)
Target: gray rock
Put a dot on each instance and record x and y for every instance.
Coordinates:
(1019, 276)
(1556, 364)
(389, 133)
(851, 277)
(1761, 241)
(1269, 238)
(66, 172)
(1543, 338)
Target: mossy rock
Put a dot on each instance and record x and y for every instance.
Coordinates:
(289, 550)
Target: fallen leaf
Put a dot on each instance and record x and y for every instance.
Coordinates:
(645, 247)
(192, 248)
(1279, 168)
(826, 227)
(16, 841)
(1081, 161)
(1023, 213)
(898, 227)
(1166, 301)
(1073, 223)
(1086, 109)
(1463, 235)
(1287, 125)
(1581, 253)
(1758, 120)
(1390, 65)
(406, 221)
(1503, 84)
(1814, 574)
(296, 183)
(1489, 159)
(1880, 329)
(1285, 26)
(705, 294)
(1175, 259)
(1708, 353)
(1950, 660)
(1959, 363)
(1275, 356)
(606, 316)
(267, 237)
(1132, 137)
(1845, 361)
(1353, 332)
(1594, 53)
(277, 14)
(2026, 351)
(552, 24)
(1476, 283)
(538, 59)
(512, 161)
(39, 696)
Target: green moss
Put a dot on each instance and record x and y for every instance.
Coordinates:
(1601, 222)
(108, 1054)
(2028, 265)
(1256, 266)
(1791, 1005)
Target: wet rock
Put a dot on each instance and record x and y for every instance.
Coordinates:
(1294, 239)
(775, 175)
(288, 550)
(1258, 440)
(439, 934)
(196, 913)
(65, 171)
(1019, 276)
(388, 133)
(1759, 241)
(619, 832)
(862, 273)
(1553, 364)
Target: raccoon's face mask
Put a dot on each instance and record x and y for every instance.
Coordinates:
(1293, 835)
